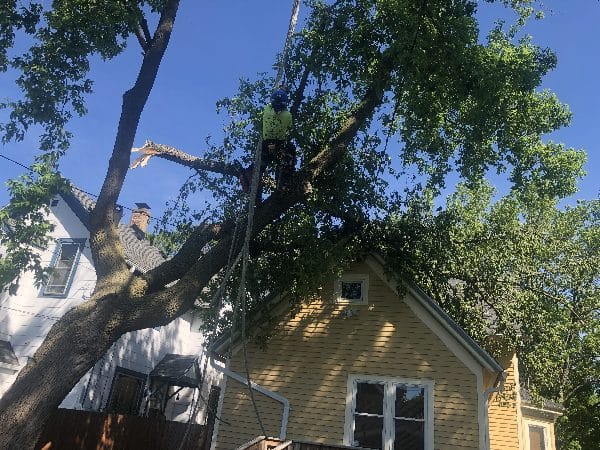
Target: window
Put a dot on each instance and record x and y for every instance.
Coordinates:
(537, 434)
(126, 392)
(63, 267)
(352, 288)
(389, 414)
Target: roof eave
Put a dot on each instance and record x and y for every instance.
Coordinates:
(469, 344)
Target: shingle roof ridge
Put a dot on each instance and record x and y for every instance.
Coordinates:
(139, 251)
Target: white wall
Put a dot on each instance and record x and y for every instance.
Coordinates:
(26, 318)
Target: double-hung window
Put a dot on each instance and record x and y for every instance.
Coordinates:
(389, 413)
(63, 267)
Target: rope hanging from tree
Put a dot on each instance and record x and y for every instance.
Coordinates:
(241, 297)
(243, 255)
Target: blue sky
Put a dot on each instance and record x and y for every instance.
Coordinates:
(216, 42)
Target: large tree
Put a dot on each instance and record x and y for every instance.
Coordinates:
(524, 268)
(385, 93)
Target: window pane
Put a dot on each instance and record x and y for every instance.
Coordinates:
(410, 435)
(410, 401)
(58, 281)
(352, 290)
(59, 276)
(536, 438)
(369, 398)
(368, 431)
(67, 255)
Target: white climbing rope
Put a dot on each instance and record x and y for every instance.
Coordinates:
(288, 43)
(241, 297)
(244, 253)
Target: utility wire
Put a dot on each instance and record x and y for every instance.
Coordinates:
(30, 169)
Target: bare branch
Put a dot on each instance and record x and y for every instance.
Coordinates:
(107, 252)
(151, 149)
(139, 34)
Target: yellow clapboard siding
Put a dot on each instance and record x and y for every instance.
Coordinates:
(310, 356)
(504, 430)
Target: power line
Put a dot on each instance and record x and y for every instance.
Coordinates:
(30, 169)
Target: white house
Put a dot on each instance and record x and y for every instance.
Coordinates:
(146, 372)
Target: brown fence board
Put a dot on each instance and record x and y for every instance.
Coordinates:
(69, 429)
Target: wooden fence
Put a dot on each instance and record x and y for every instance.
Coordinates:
(70, 429)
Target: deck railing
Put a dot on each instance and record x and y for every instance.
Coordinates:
(264, 443)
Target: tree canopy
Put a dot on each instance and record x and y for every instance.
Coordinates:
(389, 98)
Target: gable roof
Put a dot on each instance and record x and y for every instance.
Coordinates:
(377, 263)
(138, 251)
(469, 344)
(528, 400)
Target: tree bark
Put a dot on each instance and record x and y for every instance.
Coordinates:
(123, 302)
(81, 336)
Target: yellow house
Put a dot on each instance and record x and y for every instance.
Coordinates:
(516, 421)
(364, 366)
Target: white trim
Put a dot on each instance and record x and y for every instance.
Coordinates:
(515, 364)
(548, 444)
(450, 340)
(362, 278)
(389, 382)
(271, 394)
(218, 415)
(482, 419)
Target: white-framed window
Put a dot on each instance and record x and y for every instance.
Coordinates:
(63, 267)
(389, 413)
(537, 435)
(352, 289)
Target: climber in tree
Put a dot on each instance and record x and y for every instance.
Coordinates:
(276, 148)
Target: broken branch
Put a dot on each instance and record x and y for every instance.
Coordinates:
(169, 153)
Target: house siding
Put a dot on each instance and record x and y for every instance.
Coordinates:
(311, 355)
(503, 411)
(27, 317)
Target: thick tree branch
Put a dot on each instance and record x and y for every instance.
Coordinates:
(107, 251)
(151, 149)
(189, 253)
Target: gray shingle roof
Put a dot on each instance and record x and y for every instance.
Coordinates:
(7, 355)
(528, 400)
(138, 250)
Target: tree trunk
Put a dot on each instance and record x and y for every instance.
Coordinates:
(80, 338)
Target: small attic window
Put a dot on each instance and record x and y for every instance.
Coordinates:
(352, 288)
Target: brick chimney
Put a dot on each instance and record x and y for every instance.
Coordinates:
(140, 217)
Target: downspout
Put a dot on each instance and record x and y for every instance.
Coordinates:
(279, 398)
(486, 399)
